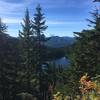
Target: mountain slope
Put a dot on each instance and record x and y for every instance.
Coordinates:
(58, 42)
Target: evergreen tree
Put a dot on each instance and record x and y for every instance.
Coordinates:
(39, 27)
(27, 55)
(85, 53)
(88, 46)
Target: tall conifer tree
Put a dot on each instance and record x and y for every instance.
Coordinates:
(39, 27)
(27, 49)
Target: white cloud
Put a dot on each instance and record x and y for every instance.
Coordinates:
(11, 20)
(63, 22)
(9, 6)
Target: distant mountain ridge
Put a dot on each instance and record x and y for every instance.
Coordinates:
(57, 42)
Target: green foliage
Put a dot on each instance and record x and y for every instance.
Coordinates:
(22, 59)
(85, 54)
(9, 57)
(67, 83)
(27, 53)
(24, 69)
(87, 48)
(38, 25)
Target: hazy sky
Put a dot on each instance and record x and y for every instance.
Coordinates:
(63, 16)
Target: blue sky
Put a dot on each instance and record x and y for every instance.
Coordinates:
(63, 16)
